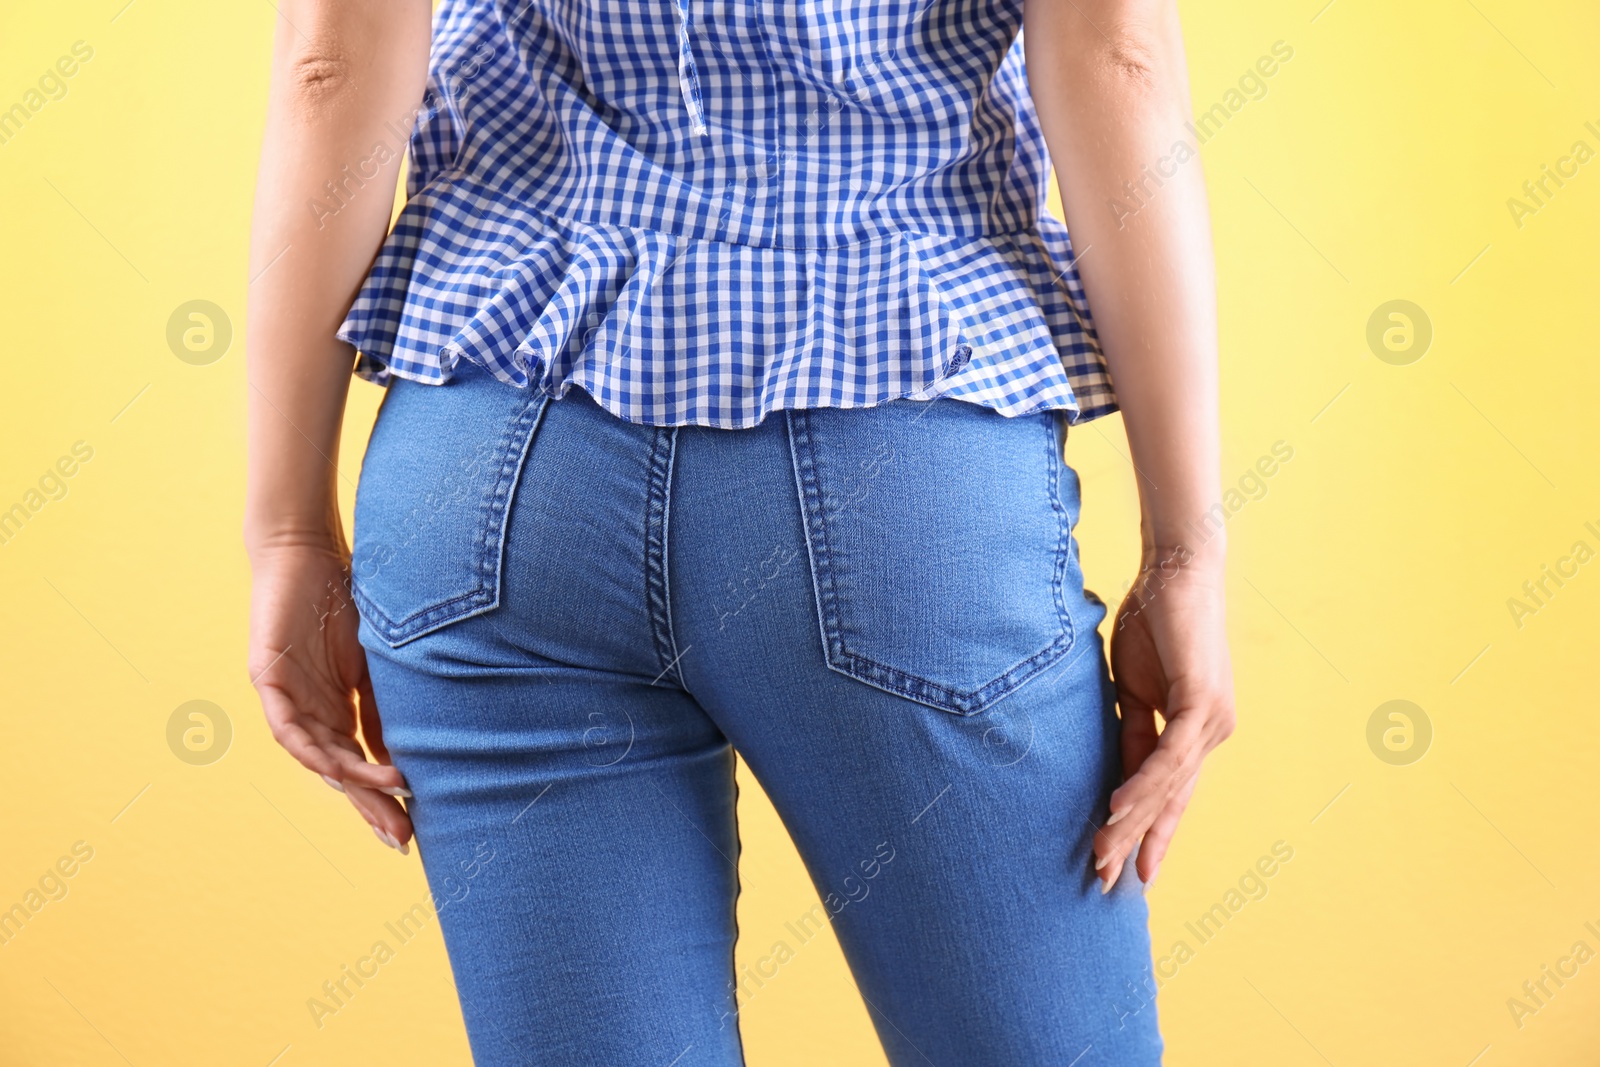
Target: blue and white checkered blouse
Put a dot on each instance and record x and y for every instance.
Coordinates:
(704, 210)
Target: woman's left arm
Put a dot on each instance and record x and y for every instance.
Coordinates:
(344, 73)
(1110, 85)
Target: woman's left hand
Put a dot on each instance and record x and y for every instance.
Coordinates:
(311, 673)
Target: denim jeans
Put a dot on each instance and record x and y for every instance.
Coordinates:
(573, 622)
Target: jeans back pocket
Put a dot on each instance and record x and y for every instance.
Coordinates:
(431, 506)
(940, 544)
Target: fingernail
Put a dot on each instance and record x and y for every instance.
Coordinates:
(396, 791)
(1115, 816)
(1150, 881)
(387, 838)
(392, 842)
(1101, 862)
(1105, 886)
(333, 782)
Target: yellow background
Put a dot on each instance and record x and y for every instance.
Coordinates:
(1376, 567)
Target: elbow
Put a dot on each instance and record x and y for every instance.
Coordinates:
(329, 53)
(318, 76)
(1125, 47)
(1131, 58)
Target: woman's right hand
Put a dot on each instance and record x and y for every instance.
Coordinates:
(311, 674)
(1169, 659)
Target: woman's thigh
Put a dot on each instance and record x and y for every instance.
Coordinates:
(573, 807)
(579, 841)
(883, 610)
(578, 837)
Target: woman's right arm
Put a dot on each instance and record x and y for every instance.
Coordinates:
(345, 73)
(1110, 82)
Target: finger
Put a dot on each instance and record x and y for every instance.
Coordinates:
(1138, 739)
(351, 763)
(324, 753)
(371, 726)
(1136, 804)
(1153, 848)
(284, 721)
(388, 819)
(323, 750)
(1139, 734)
(1108, 866)
(1174, 760)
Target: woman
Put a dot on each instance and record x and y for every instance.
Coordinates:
(730, 354)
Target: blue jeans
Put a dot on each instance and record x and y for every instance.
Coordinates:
(573, 622)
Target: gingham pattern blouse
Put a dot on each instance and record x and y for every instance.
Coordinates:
(700, 211)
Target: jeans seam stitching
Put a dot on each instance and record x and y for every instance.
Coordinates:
(666, 561)
(658, 475)
(817, 554)
(1064, 533)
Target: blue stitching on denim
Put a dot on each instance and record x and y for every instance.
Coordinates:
(1064, 521)
(663, 450)
(804, 481)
